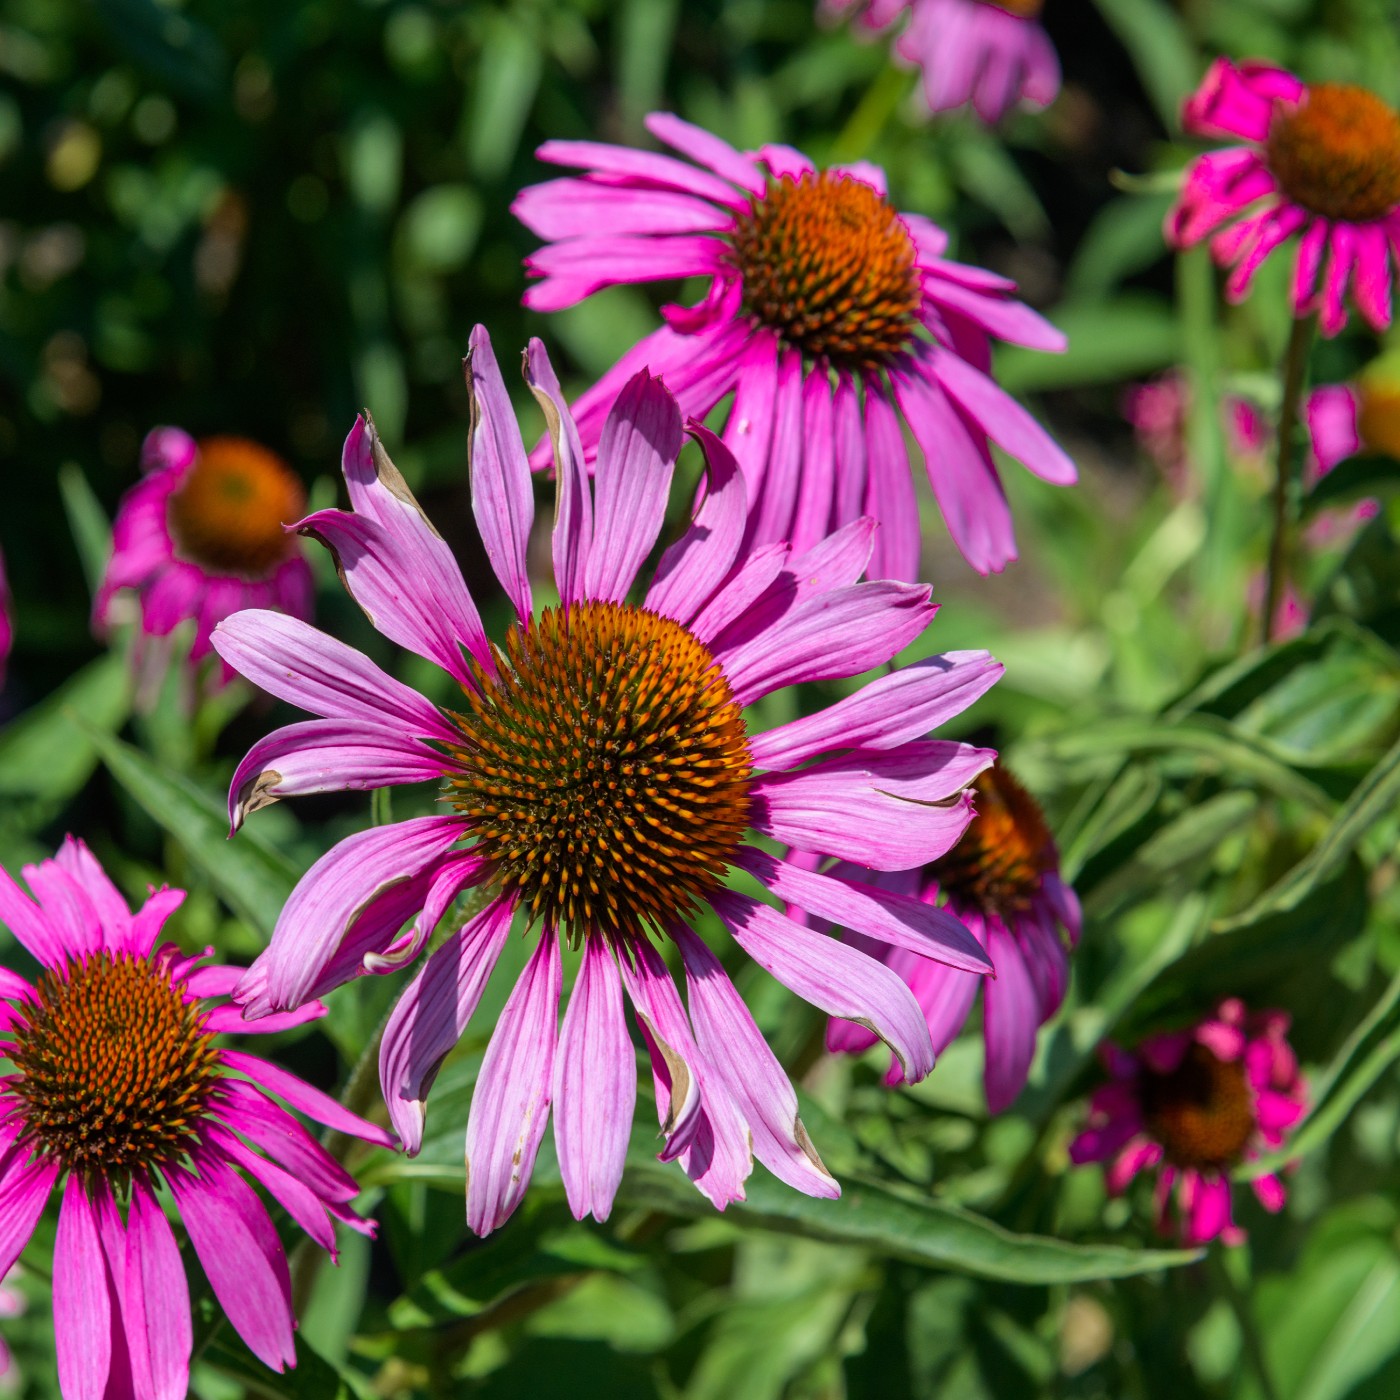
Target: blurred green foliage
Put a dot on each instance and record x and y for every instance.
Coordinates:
(260, 217)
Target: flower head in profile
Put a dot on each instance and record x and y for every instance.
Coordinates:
(990, 55)
(829, 317)
(1002, 880)
(121, 1096)
(1320, 162)
(1193, 1105)
(199, 537)
(600, 777)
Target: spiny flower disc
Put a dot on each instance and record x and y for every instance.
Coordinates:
(1201, 1112)
(606, 770)
(229, 511)
(1004, 854)
(113, 1064)
(827, 263)
(1337, 153)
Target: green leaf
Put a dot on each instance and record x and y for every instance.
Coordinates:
(312, 1378)
(1160, 46)
(1367, 1053)
(1125, 237)
(1357, 479)
(1109, 341)
(1375, 796)
(92, 531)
(895, 1224)
(48, 753)
(253, 877)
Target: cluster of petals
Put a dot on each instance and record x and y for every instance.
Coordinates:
(819, 448)
(1120, 1134)
(121, 1300)
(1235, 198)
(1028, 949)
(857, 780)
(968, 52)
(171, 588)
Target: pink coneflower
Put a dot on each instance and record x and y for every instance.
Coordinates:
(1196, 1104)
(990, 54)
(600, 777)
(120, 1085)
(1323, 162)
(1003, 881)
(829, 315)
(198, 538)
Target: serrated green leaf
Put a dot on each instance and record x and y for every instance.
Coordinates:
(251, 876)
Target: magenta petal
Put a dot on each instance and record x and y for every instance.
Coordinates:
(833, 977)
(595, 1086)
(707, 149)
(890, 711)
(338, 892)
(82, 1303)
(432, 1014)
(295, 1197)
(741, 1058)
(74, 857)
(746, 583)
(566, 208)
(849, 431)
(1011, 1017)
(890, 811)
(573, 511)
(894, 919)
(840, 633)
(307, 668)
(693, 568)
(748, 431)
(418, 553)
(813, 516)
(510, 1105)
(328, 755)
(241, 1254)
(1207, 1207)
(783, 480)
(503, 500)
(642, 168)
(303, 1096)
(889, 492)
(68, 910)
(35, 932)
(157, 1298)
(637, 453)
(25, 1184)
(1271, 1193)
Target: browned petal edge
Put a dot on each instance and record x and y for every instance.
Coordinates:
(680, 1076)
(255, 794)
(799, 1131)
(390, 477)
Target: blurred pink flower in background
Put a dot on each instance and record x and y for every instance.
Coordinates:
(119, 1084)
(1195, 1104)
(829, 316)
(1321, 162)
(599, 779)
(1003, 881)
(989, 54)
(199, 537)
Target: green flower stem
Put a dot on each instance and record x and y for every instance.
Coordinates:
(1294, 374)
(1250, 1339)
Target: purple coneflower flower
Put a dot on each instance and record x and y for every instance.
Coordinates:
(120, 1086)
(1197, 1103)
(200, 537)
(990, 54)
(829, 316)
(1003, 881)
(1321, 161)
(600, 778)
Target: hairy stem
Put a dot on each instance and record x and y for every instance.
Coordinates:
(1294, 375)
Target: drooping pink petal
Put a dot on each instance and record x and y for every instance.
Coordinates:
(889, 712)
(573, 512)
(82, 1302)
(510, 1104)
(1011, 1018)
(157, 1299)
(1206, 1202)
(774, 499)
(890, 811)
(25, 1183)
(833, 977)
(889, 492)
(897, 920)
(595, 1086)
(241, 1255)
(849, 433)
(328, 755)
(1272, 1193)
(296, 663)
(748, 431)
(305, 1097)
(295, 1197)
(812, 516)
(338, 891)
(637, 453)
(692, 569)
(750, 579)
(433, 1013)
(503, 500)
(741, 1058)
